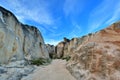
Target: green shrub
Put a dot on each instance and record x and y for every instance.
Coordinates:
(40, 61)
(67, 58)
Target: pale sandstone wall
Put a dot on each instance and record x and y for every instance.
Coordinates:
(98, 57)
(19, 40)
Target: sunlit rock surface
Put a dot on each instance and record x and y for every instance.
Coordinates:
(98, 56)
(67, 47)
(19, 40)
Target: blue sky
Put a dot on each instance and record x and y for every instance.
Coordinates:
(65, 18)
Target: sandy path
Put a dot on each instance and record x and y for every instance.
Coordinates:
(55, 71)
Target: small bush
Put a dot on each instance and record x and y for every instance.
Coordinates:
(40, 61)
(67, 58)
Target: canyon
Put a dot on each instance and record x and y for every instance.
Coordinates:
(95, 56)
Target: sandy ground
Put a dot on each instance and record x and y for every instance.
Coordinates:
(55, 71)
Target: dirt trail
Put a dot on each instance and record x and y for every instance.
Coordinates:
(55, 71)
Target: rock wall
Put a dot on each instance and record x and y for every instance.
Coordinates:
(19, 40)
(98, 56)
(94, 56)
(67, 47)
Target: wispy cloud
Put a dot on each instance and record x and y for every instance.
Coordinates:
(52, 41)
(73, 7)
(115, 15)
(76, 30)
(103, 14)
(23, 12)
(37, 11)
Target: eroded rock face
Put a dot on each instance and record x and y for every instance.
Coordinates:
(15, 70)
(67, 47)
(51, 50)
(98, 56)
(19, 40)
(60, 48)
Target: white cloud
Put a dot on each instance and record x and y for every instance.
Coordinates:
(38, 12)
(103, 14)
(52, 42)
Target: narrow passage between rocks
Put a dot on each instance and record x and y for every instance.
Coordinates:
(54, 71)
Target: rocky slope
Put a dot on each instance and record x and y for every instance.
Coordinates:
(96, 56)
(19, 41)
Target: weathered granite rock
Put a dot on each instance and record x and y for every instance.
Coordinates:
(19, 40)
(98, 56)
(15, 70)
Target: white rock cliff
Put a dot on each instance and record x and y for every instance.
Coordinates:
(19, 40)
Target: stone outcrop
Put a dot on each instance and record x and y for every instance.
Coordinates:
(67, 47)
(15, 70)
(61, 47)
(19, 40)
(98, 56)
(51, 50)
